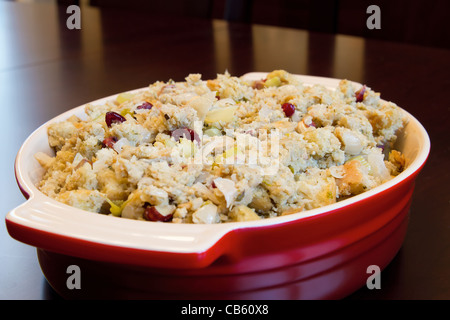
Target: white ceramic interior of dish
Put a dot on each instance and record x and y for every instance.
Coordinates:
(43, 213)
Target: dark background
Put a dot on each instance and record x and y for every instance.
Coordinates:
(410, 21)
(46, 69)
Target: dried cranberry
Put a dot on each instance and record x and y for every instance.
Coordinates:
(113, 117)
(109, 142)
(152, 214)
(145, 105)
(288, 109)
(360, 94)
(185, 133)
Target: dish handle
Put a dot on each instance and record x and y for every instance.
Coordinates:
(41, 223)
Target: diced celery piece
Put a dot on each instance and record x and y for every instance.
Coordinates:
(230, 152)
(212, 132)
(124, 112)
(362, 161)
(282, 74)
(115, 209)
(228, 156)
(187, 147)
(169, 143)
(266, 183)
(273, 82)
(123, 97)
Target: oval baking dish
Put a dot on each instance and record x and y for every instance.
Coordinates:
(322, 253)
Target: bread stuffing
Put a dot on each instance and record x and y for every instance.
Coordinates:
(223, 150)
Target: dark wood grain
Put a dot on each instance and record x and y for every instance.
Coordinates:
(46, 69)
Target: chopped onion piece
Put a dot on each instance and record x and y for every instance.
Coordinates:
(44, 159)
(337, 172)
(244, 213)
(203, 191)
(120, 144)
(222, 114)
(376, 161)
(228, 189)
(202, 104)
(352, 143)
(206, 214)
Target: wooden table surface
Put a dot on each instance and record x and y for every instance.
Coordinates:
(46, 69)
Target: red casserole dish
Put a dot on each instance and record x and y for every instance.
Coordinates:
(322, 253)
